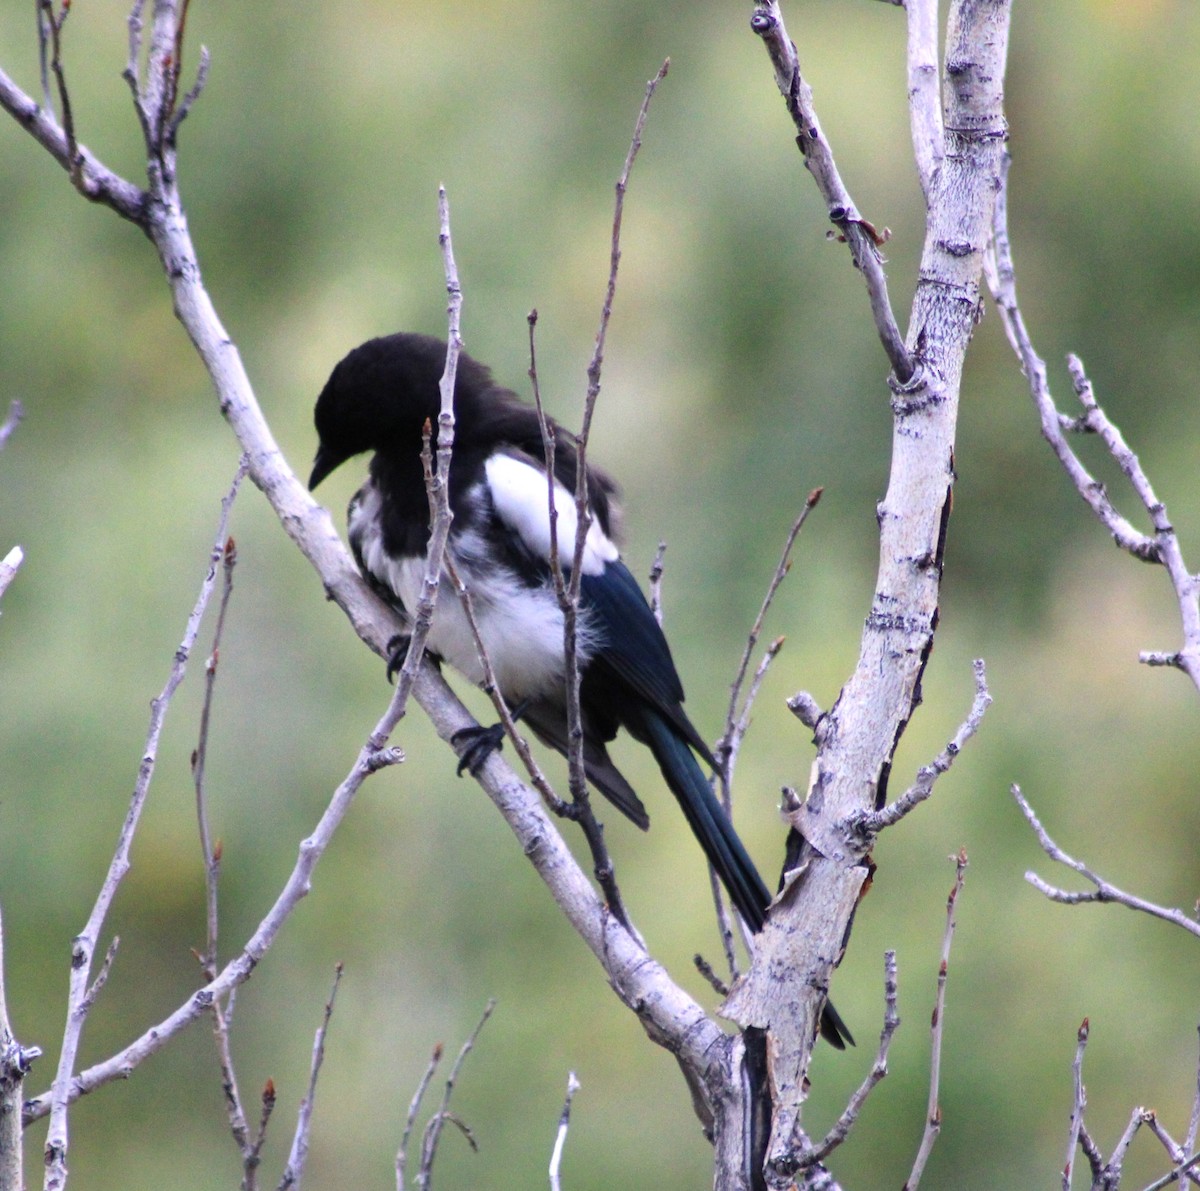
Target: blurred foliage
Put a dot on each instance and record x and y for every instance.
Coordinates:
(742, 371)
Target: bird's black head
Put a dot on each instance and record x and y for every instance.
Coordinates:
(380, 395)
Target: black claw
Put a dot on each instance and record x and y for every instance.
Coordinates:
(397, 651)
(477, 744)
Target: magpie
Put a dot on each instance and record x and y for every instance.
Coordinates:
(379, 398)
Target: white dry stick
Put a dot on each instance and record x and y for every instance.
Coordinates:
(9, 566)
(1161, 547)
(433, 1130)
(1189, 1142)
(924, 92)
(438, 482)
(410, 1120)
(371, 758)
(82, 989)
(1105, 891)
(293, 1173)
(879, 1069)
(15, 1061)
(863, 239)
(933, 1117)
(16, 411)
(1078, 1104)
(583, 512)
(560, 1139)
(874, 822)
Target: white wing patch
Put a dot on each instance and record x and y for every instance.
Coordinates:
(521, 500)
(521, 626)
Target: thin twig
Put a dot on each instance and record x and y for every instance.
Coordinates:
(410, 1120)
(1189, 1142)
(719, 986)
(222, 1010)
(293, 1173)
(567, 587)
(54, 26)
(252, 1157)
(1091, 1151)
(15, 1062)
(583, 519)
(84, 945)
(657, 567)
(726, 746)
(933, 1116)
(492, 689)
(1163, 547)
(560, 1138)
(1078, 1103)
(43, 32)
(862, 238)
(875, 821)
(879, 1069)
(440, 515)
(1104, 891)
(372, 757)
(433, 1130)
(211, 854)
(16, 411)
(1185, 1168)
(1176, 1152)
(9, 565)
(1113, 1167)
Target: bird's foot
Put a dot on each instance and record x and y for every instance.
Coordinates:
(477, 744)
(397, 651)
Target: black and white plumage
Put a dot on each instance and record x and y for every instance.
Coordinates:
(379, 398)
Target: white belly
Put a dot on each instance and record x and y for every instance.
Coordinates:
(521, 627)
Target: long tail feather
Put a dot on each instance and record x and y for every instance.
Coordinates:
(724, 849)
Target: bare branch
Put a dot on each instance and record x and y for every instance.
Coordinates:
(15, 1062)
(560, 1139)
(735, 725)
(924, 92)
(372, 757)
(252, 1156)
(933, 1117)
(433, 1130)
(1189, 1142)
(438, 483)
(1175, 1152)
(1163, 547)
(656, 580)
(878, 1070)
(413, 1108)
(16, 411)
(9, 565)
(211, 855)
(81, 995)
(863, 239)
(873, 822)
(1104, 891)
(1078, 1104)
(1185, 1168)
(293, 1173)
(807, 927)
(583, 518)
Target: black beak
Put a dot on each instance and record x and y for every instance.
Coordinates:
(323, 464)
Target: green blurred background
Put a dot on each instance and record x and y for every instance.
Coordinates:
(742, 371)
